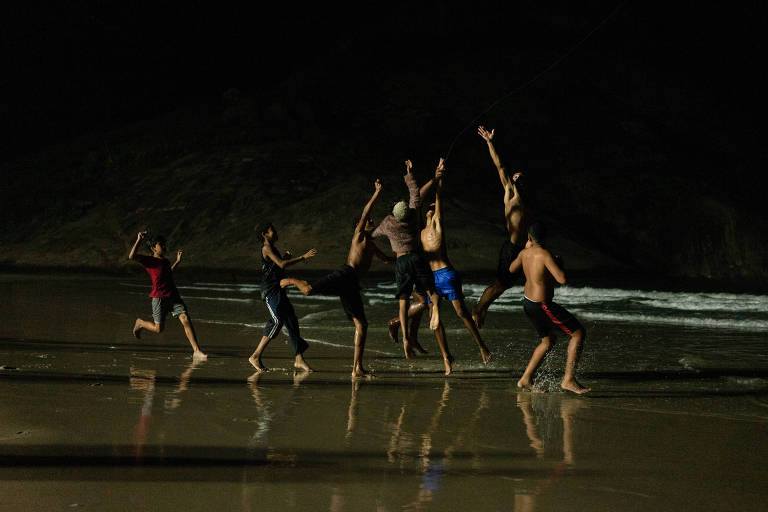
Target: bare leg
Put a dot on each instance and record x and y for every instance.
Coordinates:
(301, 364)
(434, 319)
(486, 299)
(361, 331)
(403, 314)
(414, 316)
(255, 358)
(574, 351)
(150, 326)
(190, 331)
(303, 286)
(414, 322)
(526, 381)
(461, 311)
(443, 344)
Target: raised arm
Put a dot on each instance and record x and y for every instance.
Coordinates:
(139, 238)
(269, 252)
(506, 181)
(555, 270)
(368, 206)
(438, 179)
(414, 195)
(178, 260)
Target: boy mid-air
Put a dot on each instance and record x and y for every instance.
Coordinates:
(540, 270)
(165, 296)
(345, 282)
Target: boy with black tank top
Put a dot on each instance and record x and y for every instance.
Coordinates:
(280, 308)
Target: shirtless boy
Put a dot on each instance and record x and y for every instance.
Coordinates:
(546, 315)
(165, 296)
(515, 215)
(447, 280)
(280, 308)
(401, 227)
(345, 282)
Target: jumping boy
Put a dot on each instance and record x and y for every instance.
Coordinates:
(165, 296)
(447, 280)
(345, 282)
(546, 315)
(516, 215)
(402, 229)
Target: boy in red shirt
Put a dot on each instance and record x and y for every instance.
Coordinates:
(165, 296)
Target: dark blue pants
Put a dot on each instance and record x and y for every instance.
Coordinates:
(281, 313)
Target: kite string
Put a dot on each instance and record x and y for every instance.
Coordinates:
(537, 76)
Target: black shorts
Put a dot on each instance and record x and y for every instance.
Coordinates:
(507, 255)
(549, 316)
(412, 270)
(343, 282)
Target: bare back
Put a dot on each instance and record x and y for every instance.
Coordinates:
(515, 215)
(360, 254)
(541, 272)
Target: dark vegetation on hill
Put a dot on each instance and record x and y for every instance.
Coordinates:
(643, 147)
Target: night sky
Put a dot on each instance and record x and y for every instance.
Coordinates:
(83, 66)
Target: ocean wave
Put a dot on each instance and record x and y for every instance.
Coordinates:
(710, 323)
(225, 322)
(224, 299)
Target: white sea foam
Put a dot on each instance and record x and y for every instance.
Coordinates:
(225, 299)
(710, 323)
(224, 322)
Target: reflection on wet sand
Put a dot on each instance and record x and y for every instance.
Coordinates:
(144, 380)
(540, 413)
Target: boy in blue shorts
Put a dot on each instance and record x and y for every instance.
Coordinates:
(447, 280)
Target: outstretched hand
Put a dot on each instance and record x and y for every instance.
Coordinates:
(485, 134)
(440, 171)
(377, 186)
(309, 254)
(141, 235)
(178, 255)
(408, 166)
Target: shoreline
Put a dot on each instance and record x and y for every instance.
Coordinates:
(576, 278)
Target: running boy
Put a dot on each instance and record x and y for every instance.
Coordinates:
(165, 296)
(280, 308)
(546, 315)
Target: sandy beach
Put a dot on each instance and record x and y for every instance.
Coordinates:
(94, 419)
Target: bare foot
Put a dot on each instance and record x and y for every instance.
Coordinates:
(525, 384)
(478, 316)
(434, 320)
(256, 363)
(360, 372)
(486, 355)
(137, 329)
(198, 355)
(574, 386)
(448, 365)
(394, 327)
(408, 349)
(301, 364)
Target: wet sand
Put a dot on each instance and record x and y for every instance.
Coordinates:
(93, 419)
